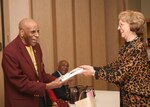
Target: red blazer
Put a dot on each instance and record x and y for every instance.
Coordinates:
(52, 95)
(22, 85)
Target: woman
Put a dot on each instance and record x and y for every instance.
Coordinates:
(130, 70)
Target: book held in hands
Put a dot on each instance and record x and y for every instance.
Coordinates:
(71, 74)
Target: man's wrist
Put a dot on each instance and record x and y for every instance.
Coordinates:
(48, 86)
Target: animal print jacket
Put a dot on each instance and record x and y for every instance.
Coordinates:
(131, 73)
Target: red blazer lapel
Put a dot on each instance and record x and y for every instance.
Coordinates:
(25, 53)
(38, 55)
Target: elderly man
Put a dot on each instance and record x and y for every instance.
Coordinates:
(25, 78)
(62, 68)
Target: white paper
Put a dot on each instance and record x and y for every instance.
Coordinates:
(71, 74)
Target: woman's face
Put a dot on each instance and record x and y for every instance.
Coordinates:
(124, 29)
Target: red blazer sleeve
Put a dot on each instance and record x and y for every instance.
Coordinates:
(52, 95)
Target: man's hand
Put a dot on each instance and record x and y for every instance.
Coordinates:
(54, 84)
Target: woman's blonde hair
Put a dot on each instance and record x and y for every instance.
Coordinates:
(135, 19)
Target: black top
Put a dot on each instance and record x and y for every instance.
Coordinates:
(62, 92)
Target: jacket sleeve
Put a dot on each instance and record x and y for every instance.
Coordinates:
(122, 69)
(52, 95)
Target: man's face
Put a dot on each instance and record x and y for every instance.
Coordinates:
(30, 34)
(63, 67)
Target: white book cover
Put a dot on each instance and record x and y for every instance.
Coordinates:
(71, 74)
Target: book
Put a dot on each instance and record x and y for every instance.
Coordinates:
(71, 73)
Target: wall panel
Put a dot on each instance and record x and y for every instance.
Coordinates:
(64, 32)
(64, 28)
(42, 12)
(1, 73)
(112, 34)
(17, 12)
(83, 37)
(145, 8)
(98, 38)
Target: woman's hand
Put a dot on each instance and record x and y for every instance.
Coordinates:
(87, 70)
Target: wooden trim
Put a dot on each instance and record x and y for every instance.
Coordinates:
(31, 8)
(54, 32)
(6, 21)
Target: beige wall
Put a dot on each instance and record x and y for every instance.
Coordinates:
(145, 8)
(73, 31)
(1, 73)
(6, 32)
(140, 5)
(16, 13)
(133, 4)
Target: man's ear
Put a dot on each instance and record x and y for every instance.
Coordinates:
(21, 33)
